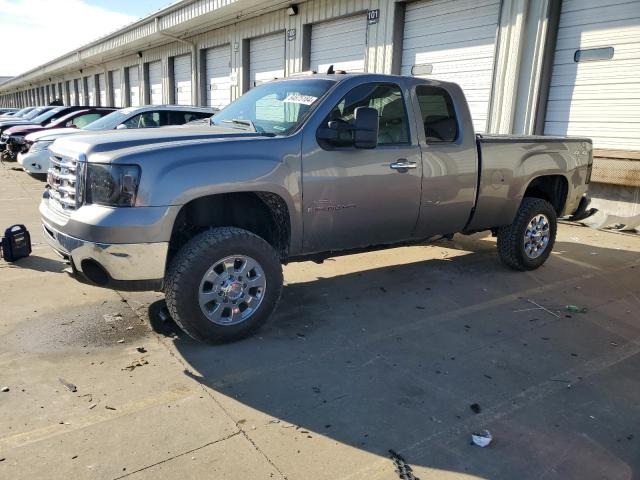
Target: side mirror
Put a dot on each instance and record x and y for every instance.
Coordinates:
(366, 127)
(122, 126)
(362, 133)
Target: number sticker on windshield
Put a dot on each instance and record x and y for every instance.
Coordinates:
(302, 99)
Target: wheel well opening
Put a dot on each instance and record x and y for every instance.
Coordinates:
(262, 213)
(552, 188)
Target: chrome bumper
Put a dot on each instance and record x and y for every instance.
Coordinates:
(122, 262)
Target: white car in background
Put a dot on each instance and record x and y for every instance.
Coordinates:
(36, 160)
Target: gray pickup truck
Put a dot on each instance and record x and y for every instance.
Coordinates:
(299, 169)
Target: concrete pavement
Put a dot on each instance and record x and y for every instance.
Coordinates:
(366, 353)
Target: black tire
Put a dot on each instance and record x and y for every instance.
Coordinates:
(195, 258)
(511, 237)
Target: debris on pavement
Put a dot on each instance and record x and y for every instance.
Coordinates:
(403, 469)
(136, 363)
(475, 408)
(5, 389)
(70, 386)
(120, 341)
(482, 439)
(141, 349)
(540, 307)
(112, 317)
(109, 408)
(576, 309)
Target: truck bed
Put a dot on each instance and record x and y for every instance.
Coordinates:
(509, 163)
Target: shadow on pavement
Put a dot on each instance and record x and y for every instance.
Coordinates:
(39, 264)
(392, 358)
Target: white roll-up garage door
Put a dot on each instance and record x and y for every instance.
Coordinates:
(102, 87)
(134, 86)
(91, 90)
(218, 76)
(182, 79)
(598, 95)
(116, 86)
(82, 99)
(457, 42)
(72, 92)
(266, 58)
(340, 43)
(155, 83)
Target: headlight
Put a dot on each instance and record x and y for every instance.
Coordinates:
(40, 146)
(112, 185)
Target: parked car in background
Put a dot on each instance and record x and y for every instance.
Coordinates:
(41, 116)
(36, 159)
(14, 138)
(8, 111)
(209, 214)
(48, 115)
(10, 121)
(17, 114)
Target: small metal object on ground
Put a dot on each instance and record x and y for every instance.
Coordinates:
(543, 308)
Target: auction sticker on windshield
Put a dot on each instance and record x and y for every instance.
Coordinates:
(297, 98)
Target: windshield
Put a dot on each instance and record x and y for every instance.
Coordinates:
(22, 112)
(33, 114)
(43, 117)
(108, 122)
(274, 108)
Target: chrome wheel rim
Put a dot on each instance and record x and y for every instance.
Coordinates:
(232, 290)
(537, 236)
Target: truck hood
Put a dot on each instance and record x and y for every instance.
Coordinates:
(51, 134)
(108, 141)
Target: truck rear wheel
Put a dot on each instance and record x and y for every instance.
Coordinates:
(223, 284)
(527, 242)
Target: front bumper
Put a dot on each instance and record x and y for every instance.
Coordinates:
(34, 162)
(136, 266)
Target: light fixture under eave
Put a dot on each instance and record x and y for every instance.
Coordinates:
(292, 10)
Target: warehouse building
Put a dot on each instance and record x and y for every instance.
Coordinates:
(560, 67)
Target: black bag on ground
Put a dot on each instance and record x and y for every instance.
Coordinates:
(16, 243)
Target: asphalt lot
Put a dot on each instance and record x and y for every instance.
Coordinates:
(366, 353)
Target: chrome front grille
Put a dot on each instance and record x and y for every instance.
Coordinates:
(62, 179)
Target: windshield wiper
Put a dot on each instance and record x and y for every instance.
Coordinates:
(240, 121)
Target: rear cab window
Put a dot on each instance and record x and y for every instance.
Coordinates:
(438, 114)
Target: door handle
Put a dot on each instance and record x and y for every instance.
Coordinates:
(402, 164)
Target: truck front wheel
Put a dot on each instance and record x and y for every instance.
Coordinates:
(223, 284)
(527, 242)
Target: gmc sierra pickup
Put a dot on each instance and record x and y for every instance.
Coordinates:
(299, 169)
